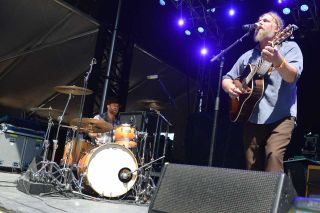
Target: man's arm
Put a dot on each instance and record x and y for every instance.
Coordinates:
(287, 71)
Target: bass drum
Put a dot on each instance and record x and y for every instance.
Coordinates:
(102, 170)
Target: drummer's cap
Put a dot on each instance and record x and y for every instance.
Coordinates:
(112, 100)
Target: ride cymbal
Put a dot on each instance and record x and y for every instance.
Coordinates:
(151, 103)
(73, 90)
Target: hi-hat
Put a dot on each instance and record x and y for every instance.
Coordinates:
(92, 125)
(73, 90)
(49, 109)
(44, 112)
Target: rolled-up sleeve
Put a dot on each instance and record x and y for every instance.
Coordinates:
(294, 57)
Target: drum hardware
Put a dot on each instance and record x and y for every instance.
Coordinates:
(69, 178)
(145, 186)
(63, 178)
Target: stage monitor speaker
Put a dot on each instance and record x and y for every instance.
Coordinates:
(185, 188)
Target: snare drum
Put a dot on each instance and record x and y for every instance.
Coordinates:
(82, 147)
(102, 170)
(125, 135)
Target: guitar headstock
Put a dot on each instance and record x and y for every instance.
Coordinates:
(284, 34)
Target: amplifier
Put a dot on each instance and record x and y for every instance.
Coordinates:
(18, 146)
(138, 119)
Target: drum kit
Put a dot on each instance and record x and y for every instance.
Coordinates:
(109, 168)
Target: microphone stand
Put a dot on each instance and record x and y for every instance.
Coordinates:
(217, 99)
(167, 93)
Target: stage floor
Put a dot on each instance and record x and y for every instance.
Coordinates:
(13, 200)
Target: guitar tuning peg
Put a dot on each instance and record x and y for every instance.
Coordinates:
(292, 37)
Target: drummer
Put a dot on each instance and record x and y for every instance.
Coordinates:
(110, 116)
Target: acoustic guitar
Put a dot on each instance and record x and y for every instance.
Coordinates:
(251, 81)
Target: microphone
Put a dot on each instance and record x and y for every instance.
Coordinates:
(250, 26)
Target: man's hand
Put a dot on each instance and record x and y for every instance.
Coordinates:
(272, 55)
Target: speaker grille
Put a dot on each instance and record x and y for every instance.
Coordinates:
(184, 188)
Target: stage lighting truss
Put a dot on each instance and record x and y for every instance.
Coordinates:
(199, 16)
(303, 13)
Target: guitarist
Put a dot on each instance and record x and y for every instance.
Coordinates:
(268, 130)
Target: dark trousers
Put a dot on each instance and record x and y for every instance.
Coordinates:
(265, 144)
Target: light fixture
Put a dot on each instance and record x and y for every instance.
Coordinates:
(304, 7)
(200, 29)
(162, 2)
(286, 11)
(187, 32)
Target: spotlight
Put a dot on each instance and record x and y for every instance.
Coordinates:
(162, 2)
(204, 51)
(232, 12)
(200, 29)
(280, 1)
(286, 11)
(187, 32)
(304, 7)
(181, 22)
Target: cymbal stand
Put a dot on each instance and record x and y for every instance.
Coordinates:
(165, 144)
(146, 186)
(46, 139)
(42, 175)
(83, 98)
(55, 141)
(158, 132)
(70, 179)
(142, 155)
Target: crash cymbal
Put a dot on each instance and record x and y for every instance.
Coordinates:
(92, 125)
(151, 103)
(73, 90)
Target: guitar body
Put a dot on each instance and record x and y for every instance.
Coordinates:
(242, 107)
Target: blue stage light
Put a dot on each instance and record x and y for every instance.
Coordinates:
(200, 29)
(162, 2)
(304, 7)
(232, 12)
(286, 11)
(204, 51)
(181, 22)
(187, 32)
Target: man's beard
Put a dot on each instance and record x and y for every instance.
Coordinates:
(263, 34)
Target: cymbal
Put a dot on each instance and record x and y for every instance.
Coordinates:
(45, 112)
(151, 103)
(49, 109)
(73, 90)
(92, 125)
